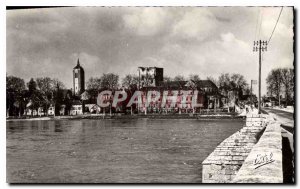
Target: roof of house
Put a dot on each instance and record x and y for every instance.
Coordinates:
(205, 84)
(143, 68)
(185, 84)
(175, 84)
(85, 95)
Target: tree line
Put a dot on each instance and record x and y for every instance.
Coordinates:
(225, 82)
(45, 91)
(39, 92)
(281, 81)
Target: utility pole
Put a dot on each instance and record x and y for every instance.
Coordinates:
(259, 46)
(252, 83)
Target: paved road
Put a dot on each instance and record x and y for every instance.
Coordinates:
(280, 113)
(285, 118)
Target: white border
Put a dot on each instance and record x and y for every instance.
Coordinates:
(3, 183)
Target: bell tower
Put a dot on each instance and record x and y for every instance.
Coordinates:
(78, 79)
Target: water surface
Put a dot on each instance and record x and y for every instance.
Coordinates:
(112, 151)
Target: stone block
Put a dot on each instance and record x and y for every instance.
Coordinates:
(230, 171)
(255, 116)
(255, 119)
(238, 158)
(251, 123)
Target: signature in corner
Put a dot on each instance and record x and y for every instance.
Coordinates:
(261, 160)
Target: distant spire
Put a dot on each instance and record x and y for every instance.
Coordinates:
(78, 62)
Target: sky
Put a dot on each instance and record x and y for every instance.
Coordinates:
(206, 41)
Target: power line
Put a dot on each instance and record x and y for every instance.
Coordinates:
(275, 25)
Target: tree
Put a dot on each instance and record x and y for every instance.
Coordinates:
(233, 82)
(238, 81)
(47, 88)
(287, 77)
(224, 83)
(194, 77)
(109, 81)
(212, 79)
(45, 84)
(58, 97)
(292, 84)
(179, 78)
(32, 86)
(232, 86)
(14, 94)
(58, 83)
(67, 101)
(130, 81)
(167, 79)
(14, 83)
(93, 86)
(35, 100)
(224, 80)
(274, 82)
(35, 97)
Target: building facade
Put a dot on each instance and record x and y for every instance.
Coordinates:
(78, 79)
(150, 76)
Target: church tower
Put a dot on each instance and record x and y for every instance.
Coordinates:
(78, 79)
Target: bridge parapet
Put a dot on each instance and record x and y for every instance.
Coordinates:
(222, 165)
(264, 163)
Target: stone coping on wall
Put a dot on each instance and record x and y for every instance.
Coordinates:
(264, 163)
(224, 162)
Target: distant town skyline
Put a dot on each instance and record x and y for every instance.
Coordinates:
(206, 41)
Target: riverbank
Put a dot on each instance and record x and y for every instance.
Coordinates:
(135, 116)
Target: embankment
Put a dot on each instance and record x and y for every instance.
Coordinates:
(248, 155)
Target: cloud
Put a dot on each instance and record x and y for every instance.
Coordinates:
(283, 29)
(213, 58)
(183, 40)
(198, 23)
(146, 21)
(85, 59)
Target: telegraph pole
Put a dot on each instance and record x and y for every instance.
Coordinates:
(252, 83)
(259, 46)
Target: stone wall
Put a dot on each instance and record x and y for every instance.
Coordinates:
(264, 163)
(224, 162)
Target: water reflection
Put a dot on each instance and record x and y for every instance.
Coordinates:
(58, 128)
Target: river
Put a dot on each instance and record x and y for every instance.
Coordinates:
(112, 151)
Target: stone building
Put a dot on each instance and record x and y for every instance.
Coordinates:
(150, 76)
